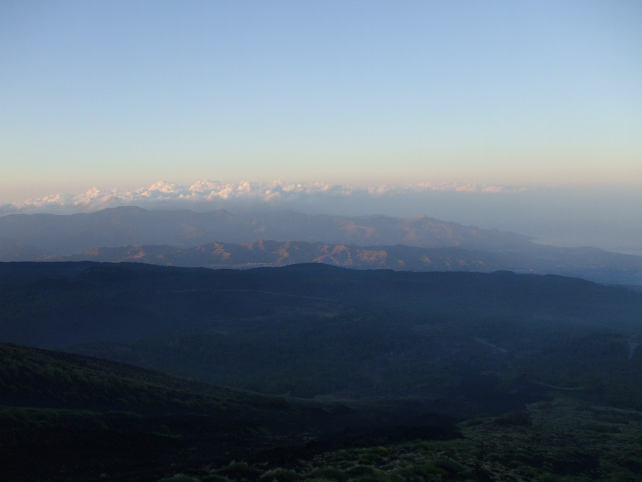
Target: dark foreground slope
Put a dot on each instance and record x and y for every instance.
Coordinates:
(357, 364)
(471, 342)
(69, 417)
(175, 426)
(62, 419)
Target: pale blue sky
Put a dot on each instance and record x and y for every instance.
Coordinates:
(125, 93)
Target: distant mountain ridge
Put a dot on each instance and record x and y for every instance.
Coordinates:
(588, 263)
(222, 239)
(69, 234)
(12, 250)
(274, 253)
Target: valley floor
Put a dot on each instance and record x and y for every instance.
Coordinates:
(563, 439)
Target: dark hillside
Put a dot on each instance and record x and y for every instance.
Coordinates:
(565, 438)
(33, 377)
(588, 263)
(56, 304)
(344, 358)
(69, 417)
(315, 330)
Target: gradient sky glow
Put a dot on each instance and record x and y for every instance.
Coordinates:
(507, 96)
(122, 94)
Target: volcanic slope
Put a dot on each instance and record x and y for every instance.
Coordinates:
(57, 304)
(65, 416)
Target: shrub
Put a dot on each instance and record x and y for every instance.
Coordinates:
(179, 478)
(369, 478)
(514, 418)
(329, 473)
(406, 474)
(370, 457)
(275, 402)
(603, 428)
(235, 469)
(431, 469)
(472, 422)
(611, 419)
(448, 465)
(394, 477)
(359, 470)
(215, 478)
(281, 475)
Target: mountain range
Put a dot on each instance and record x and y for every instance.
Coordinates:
(69, 234)
(222, 239)
(588, 263)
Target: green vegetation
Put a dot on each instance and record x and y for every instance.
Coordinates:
(179, 478)
(559, 445)
(514, 418)
(332, 375)
(58, 304)
(593, 365)
(28, 377)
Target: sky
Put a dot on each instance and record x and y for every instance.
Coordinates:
(488, 112)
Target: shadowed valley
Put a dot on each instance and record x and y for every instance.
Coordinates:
(321, 366)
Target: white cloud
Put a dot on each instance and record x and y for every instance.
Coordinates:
(164, 187)
(208, 194)
(587, 216)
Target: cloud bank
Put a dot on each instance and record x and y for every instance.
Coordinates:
(561, 216)
(208, 194)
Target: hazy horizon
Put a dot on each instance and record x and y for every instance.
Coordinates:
(521, 116)
(566, 217)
